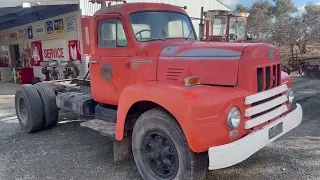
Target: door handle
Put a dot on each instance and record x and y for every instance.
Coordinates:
(93, 62)
(127, 65)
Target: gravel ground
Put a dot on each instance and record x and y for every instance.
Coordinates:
(71, 152)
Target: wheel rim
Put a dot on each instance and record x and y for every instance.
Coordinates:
(22, 110)
(160, 154)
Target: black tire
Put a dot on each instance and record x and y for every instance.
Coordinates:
(190, 166)
(48, 98)
(29, 108)
(36, 80)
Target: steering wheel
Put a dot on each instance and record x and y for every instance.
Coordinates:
(141, 32)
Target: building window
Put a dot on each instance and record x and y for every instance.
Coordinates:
(111, 34)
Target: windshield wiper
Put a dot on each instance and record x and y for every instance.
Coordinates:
(191, 32)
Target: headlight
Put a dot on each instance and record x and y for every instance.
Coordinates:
(290, 96)
(234, 118)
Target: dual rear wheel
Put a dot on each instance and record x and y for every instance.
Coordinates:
(36, 107)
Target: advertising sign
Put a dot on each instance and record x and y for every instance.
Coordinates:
(30, 32)
(36, 53)
(53, 53)
(55, 50)
(74, 50)
(49, 27)
(71, 24)
(58, 26)
(38, 29)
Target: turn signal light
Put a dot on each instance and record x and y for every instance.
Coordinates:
(191, 81)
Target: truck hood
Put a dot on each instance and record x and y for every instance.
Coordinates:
(214, 63)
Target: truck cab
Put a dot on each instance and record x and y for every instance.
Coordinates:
(224, 26)
(181, 105)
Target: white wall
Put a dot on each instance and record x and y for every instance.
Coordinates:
(88, 8)
(43, 36)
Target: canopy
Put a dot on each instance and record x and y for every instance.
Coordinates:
(19, 12)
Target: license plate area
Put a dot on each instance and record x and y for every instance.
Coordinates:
(275, 130)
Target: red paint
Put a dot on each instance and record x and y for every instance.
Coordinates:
(25, 75)
(201, 110)
(207, 30)
(13, 35)
(53, 53)
(74, 50)
(36, 53)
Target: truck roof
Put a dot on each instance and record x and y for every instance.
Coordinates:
(128, 8)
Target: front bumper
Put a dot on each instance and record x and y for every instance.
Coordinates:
(230, 154)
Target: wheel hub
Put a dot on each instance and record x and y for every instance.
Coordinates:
(161, 155)
(23, 110)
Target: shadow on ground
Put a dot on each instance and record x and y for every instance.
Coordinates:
(8, 88)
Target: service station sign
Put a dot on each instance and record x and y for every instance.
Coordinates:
(55, 50)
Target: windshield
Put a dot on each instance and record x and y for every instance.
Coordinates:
(237, 29)
(149, 26)
(241, 29)
(219, 26)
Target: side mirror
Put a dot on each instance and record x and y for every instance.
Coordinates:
(201, 31)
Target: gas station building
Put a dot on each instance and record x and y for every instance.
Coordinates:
(36, 31)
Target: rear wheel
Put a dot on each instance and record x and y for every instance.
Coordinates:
(29, 108)
(161, 151)
(48, 98)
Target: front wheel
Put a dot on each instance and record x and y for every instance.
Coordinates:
(161, 151)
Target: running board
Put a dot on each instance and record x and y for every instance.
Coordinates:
(105, 128)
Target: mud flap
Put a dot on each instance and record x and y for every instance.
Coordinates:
(122, 149)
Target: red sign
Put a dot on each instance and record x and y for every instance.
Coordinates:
(53, 53)
(74, 50)
(36, 53)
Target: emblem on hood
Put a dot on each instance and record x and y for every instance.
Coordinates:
(271, 54)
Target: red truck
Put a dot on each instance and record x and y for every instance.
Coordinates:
(181, 106)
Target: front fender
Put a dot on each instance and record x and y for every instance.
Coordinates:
(163, 94)
(200, 110)
(286, 79)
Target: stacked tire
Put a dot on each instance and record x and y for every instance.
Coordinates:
(36, 107)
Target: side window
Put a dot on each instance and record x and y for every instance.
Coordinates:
(111, 34)
(232, 28)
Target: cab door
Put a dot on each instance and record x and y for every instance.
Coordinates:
(109, 68)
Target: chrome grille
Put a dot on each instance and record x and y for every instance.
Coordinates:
(265, 105)
(268, 77)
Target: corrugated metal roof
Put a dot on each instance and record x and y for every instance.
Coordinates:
(194, 6)
(16, 3)
(87, 8)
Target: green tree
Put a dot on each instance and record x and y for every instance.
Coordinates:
(241, 9)
(259, 21)
(283, 8)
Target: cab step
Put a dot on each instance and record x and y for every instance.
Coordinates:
(105, 128)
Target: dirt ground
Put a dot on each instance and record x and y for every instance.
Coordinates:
(71, 152)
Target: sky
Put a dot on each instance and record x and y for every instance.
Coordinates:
(298, 3)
